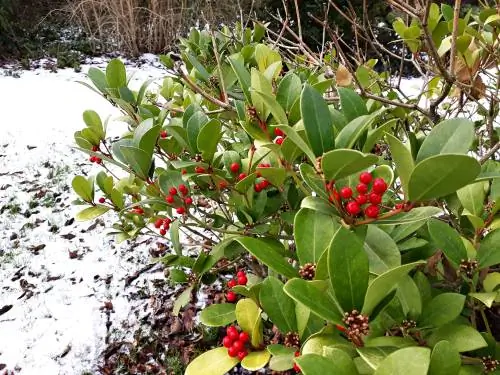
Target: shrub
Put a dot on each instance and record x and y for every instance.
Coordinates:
(360, 232)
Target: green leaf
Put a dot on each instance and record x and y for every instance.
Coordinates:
(338, 164)
(462, 338)
(348, 269)
(384, 284)
(298, 141)
(313, 295)
(383, 253)
(182, 300)
(213, 362)
(260, 84)
(444, 360)
(416, 215)
(317, 121)
(489, 251)
(314, 364)
(193, 128)
(254, 361)
(447, 12)
(138, 160)
(440, 175)
(313, 234)
(408, 361)
(486, 298)
(83, 188)
(374, 135)
(91, 213)
(275, 176)
(448, 240)
(472, 198)
(442, 309)
(270, 253)
(289, 91)
(278, 305)
(116, 75)
(453, 136)
(409, 297)
(403, 160)
(374, 356)
(218, 315)
(275, 108)
(208, 139)
(248, 317)
(313, 180)
(352, 105)
(281, 362)
(146, 136)
(243, 76)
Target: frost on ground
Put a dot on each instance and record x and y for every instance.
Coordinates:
(56, 275)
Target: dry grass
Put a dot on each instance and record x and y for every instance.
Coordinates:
(137, 26)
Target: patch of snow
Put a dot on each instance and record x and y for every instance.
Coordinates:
(61, 327)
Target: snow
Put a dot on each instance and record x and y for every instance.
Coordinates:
(40, 112)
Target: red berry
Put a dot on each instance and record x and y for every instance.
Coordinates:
(232, 332)
(235, 167)
(241, 273)
(93, 159)
(231, 296)
(167, 221)
(244, 336)
(279, 140)
(278, 132)
(375, 198)
(372, 211)
(242, 355)
(102, 200)
(264, 184)
(188, 201)
(399, 206)
(242, 280)
(222, 185)
(163, 134)
(362, 199)
(183, 189)
(95, 148)
(180, 210)
(173, 191)
(166, 226)
(238, 345)
(353, 208)
(184, 171)
(297, 354)
(346, 192)
(227, 342)
(232, 352)
(232, 283)
(158, 223)
(169, 199)
(199, 170)
(163, 232)
(242, 176)
(257, 188)
(379, 186)
(365, 177)
(98, 160)
(296, 368)
(362, 188)
(264, 165)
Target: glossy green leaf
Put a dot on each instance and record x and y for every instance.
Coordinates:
(341, 163)
(440, 175)
(384, 284)
(313, 233)
(213, 362)
(375, 135)
(313, 180)
(248, 317)
(407, 361)
(83, 188)
(448, 240)
(352, 105)
(91, 213)
(289, 91)
(348, 269)
(442, 309)
(314, 364)
(254, 361)
(317, 121)
(472, 198)
(278, 305)
(218, 315)
(270, 253)
(208, 139)
(116, 75)
(243, 76)
(444, 360)
(462, 338)
(98, 78)
(281, 362)
(313, 295)
(416, 215)
(138, 160)
(486, 298)
(260, 84)
(382, 251)
(402, 159)
(273, 106)
(489, 250)
(452, 136)
(375, 355)
(292, 134)
(193, 128)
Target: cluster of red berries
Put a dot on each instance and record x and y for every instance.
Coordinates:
(368, 196)
(296, 367)
(280, 136)
(163, 224)
(186, 200)
(241, 279)
(236, 342)
(95, 159)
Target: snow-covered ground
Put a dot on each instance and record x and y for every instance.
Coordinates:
(55, 274)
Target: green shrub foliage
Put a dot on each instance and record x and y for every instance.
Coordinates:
(369, 233)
